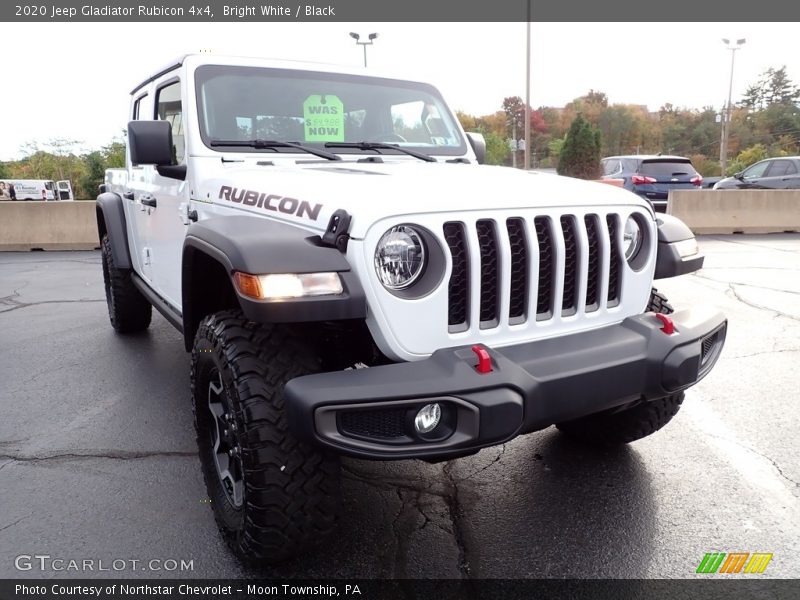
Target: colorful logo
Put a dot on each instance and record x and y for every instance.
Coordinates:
(734, 562)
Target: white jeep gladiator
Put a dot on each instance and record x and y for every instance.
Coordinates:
(351, 280)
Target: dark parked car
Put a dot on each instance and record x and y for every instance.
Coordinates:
(652, 177)
(769, 174)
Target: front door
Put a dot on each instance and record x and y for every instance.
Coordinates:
(169, 197)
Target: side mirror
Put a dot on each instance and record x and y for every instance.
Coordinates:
(739, 175)
(150, 143)
(478, 144)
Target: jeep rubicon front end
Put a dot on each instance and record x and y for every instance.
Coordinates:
(351, 281)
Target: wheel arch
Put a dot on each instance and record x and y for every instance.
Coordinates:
(206, 287)
(110, 214)
(214, 249)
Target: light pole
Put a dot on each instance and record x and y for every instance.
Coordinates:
(726, 114)
(371, 41)
(528, 90)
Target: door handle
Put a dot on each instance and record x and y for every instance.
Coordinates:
(128, 195)
(148, 200)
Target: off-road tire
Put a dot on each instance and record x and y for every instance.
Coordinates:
(616, 427)
(128, 310)
(291, 491)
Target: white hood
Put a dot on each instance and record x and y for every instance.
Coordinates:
(373, 191)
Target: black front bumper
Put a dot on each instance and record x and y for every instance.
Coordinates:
(369, 413)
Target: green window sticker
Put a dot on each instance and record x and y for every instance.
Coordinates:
(324, 118)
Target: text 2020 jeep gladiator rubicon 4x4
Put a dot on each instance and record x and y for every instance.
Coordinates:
(350, 281)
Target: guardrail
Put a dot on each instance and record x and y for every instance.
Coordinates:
(48, 226)
(737, 211)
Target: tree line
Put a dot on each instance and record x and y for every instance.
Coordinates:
(58, 159)
(764, 123)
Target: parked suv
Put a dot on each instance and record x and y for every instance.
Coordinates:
(652, 177)
(350, 281)
(770, 174)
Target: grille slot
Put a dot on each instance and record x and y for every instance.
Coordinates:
(593, 259)
(458, 289)
(384, 424)
(569, 300)
(615, 262)
(490, 265)
(544, 300)
(519, 270)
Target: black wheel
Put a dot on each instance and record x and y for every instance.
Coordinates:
(128, 310)
(627, 424)
(273, 497)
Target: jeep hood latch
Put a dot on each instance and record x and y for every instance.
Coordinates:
(336, 234)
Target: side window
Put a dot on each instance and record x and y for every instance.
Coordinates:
(611, 167)
(757, 170)
(780, 168)
(169, 108)
(137, 107)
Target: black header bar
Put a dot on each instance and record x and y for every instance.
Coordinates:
(633, 11)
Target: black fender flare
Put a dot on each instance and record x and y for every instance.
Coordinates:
(260, 246)
(669, 262)
(111, 220)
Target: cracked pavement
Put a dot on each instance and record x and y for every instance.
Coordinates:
(97, 456)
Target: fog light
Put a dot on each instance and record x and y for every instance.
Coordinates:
(428, 418)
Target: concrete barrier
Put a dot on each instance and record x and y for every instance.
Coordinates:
(737, 211)
(48, 226)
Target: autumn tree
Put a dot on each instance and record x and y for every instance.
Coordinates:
(774, 87)
(580, 153)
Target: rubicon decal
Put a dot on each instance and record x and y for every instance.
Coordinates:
(734, 562)
(284, 204)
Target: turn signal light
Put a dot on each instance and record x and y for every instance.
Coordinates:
(248, 285)
(287, 285)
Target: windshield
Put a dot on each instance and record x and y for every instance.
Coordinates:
(311, 108)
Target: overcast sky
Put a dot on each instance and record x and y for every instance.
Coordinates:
(72, 80)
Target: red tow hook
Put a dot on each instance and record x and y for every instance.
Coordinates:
(669, 326)
(484, 360)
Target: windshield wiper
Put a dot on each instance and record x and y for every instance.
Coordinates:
(380, 146)
(274, 144)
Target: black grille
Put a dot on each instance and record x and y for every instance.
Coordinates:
(569, 301)
(487, 242)
(544, 299)
(478, 249)
(615, 263)
(519, 269)
(458, 291)
(593, 271)
(708, 346)
(382, 424)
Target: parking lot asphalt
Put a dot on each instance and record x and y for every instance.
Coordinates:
(98, 459)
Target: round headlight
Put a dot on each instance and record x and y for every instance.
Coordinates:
(631, 238)
(399, 257)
